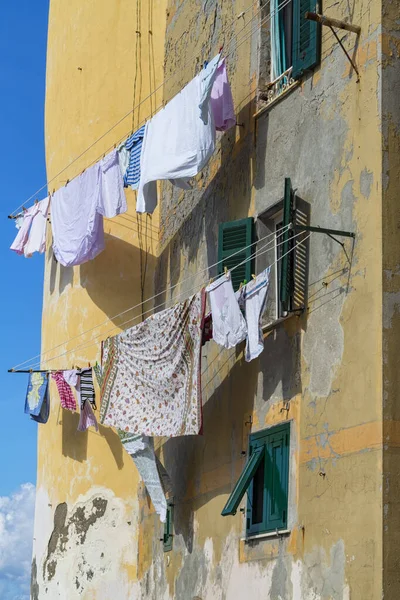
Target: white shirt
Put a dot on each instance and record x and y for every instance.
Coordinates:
(179, 140)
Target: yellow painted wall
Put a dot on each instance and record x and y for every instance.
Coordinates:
(322, 371)
(103, 59)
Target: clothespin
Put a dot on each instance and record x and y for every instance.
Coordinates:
(89, 365)
(67, 182)
(23, 208)
(211, 280)
(241, 285)
(226, 270)
(253, 276)
(36, 201)
(54, 191)
(220, 50)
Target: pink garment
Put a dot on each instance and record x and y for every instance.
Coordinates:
(66, 396)
(221, 100)
(31, 237)
(87, 417)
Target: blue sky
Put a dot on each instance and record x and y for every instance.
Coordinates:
(23, 33)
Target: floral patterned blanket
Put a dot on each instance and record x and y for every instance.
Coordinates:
(151, 380)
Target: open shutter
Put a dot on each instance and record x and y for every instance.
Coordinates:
(277, 473)
(243, 482)
(233, 237)
(286, 278)
(306, 52)
(168, 528)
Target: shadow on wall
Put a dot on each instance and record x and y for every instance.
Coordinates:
(112, 279)
(193, 218)
(204, 467)
(74, 442)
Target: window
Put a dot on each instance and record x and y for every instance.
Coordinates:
(266, 480)
(294, 41)
(288, 255)
(234, 250)
(168, 527)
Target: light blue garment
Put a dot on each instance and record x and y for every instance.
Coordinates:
(278, 57)
(36, 393)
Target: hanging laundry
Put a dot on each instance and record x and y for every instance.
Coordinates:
(44, 414)
(221, 100)
(112, 199)
(77, 211)
(78, 234)
(179, 140)
(36, 393)
(87, 387)
(134, 144)
(207, 329)
(67, 398)
(19, 219)
(87, 401)
(31, 236)
(123, 158)
(82, 381)
(141, 450)
(229, 326)
(151, 373)
(253, 299)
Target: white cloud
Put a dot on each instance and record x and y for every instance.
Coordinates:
(16, 534)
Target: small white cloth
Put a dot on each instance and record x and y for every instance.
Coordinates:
(179, 140)
(37, 235)
(123, 158)
(229, 326)
(253, 298)
(112, 200)
(31, 236)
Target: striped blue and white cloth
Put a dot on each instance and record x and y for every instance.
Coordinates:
(134, 145)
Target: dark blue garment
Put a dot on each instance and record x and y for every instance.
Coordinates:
(134, 144)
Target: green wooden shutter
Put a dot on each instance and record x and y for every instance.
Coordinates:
(243, 482)
(277, 474)
(233, 237)
(168, 528)
(306, 41)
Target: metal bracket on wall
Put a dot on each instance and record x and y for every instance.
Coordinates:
(331, 23)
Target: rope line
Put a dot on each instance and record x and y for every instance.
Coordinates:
(106, 334)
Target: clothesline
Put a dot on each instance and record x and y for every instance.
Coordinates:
(273, 235)
(238, 44)
(90, 343)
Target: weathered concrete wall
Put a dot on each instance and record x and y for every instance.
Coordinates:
(391, 294)
(103, 59)
(323, 370)
(96, 532)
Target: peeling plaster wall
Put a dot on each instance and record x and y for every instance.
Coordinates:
(391, 294)
(96, 534)
(98, 68)
(322, 371)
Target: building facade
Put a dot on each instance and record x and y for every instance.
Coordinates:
(310, 428)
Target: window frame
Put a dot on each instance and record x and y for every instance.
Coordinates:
(259, 450)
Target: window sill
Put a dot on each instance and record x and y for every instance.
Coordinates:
(267, 105)
(268, 535)
(273, 324)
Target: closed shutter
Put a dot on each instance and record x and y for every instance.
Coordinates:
(234, 239)
(277, 474)
(306, 52)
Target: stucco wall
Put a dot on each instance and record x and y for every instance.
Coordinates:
(326, 136)
(103, 59)
(96, 534)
